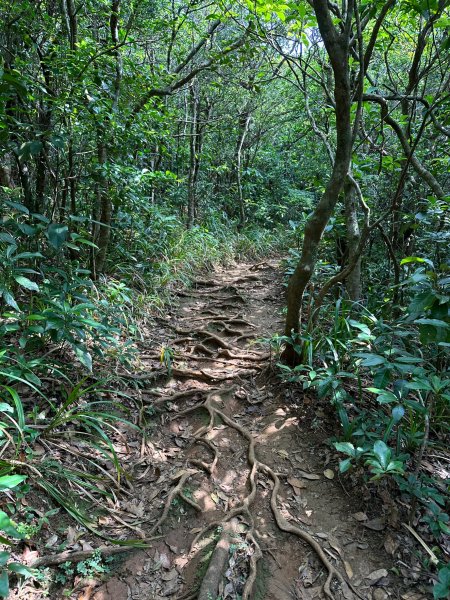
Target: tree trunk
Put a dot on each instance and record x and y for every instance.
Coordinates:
(192, 158)
(244, 123)
(337, 47)
(102, 213)
(353, 281)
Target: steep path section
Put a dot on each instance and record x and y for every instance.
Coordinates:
(234, 474)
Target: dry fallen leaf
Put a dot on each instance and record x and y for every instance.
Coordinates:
(375, 576)
(283, 453)
(296, 483)
(412, 595)
(196, 530)
(376, 524)
(329, 473)
(170, 575)
(348, 569)
(309, 475)
(391, 545)
(360, 516)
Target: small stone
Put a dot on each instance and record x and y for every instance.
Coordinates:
(379, 594)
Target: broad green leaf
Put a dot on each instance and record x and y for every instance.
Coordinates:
(370, 360)
(7, 526)
(8, 482)
(4, 584)
(10, 300)
(433, 322)
(21, 569)
(398, 413)
(84, 357)
(345, 447)
(415, 259)
(382, 452)
(345, 465)
(17, 206)
(4, 556)
(27, 283)
(57, 235)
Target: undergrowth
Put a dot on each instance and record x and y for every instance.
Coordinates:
(388, 380)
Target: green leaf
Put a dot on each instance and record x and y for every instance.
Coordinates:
(433, 322)
(57, 235)
(398, 413)
(345, 447)
(382, 452)
(84, 357)
(27, 283)
(370, 360)
(4, 556)
(29, 149)
(10, 300)
(8, 482)
(21, 569)
(7, 526)
(442, 589)
(415, 259)
(18, 207)
(345, 465)
(4, 584)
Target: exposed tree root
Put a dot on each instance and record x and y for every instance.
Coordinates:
(211, 376)
(183, 476)
(209, 468)
(243, 510)
(52, 560)
(182, 394)
(211, 581)
(258, 265)
(249, 357)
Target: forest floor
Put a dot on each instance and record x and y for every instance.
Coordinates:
(234, 476)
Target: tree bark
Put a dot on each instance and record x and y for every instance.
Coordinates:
(337, 47)
(193, 158)
(244, 123)
(353, 281)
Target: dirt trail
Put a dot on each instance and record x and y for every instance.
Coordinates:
(231, 474)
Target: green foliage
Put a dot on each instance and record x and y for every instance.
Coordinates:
(89, 568)
(8, 527)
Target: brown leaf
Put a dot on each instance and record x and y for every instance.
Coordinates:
(377, 524)
(391, 545)
(334, 544)
(170, 575)
(306, 475)
(348, 569)
(360, 516)
(329, 473)
(375, 576)
(296, 483)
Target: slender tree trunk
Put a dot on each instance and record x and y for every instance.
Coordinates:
(244, 123)
(192, 157)
(105, 206)
(102, 213)
(353, 281)
(337, 47)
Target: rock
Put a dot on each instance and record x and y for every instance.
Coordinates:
(375, 576)
(379, 594)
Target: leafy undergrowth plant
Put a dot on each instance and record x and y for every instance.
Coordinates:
(9, 530)
(390, 386)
